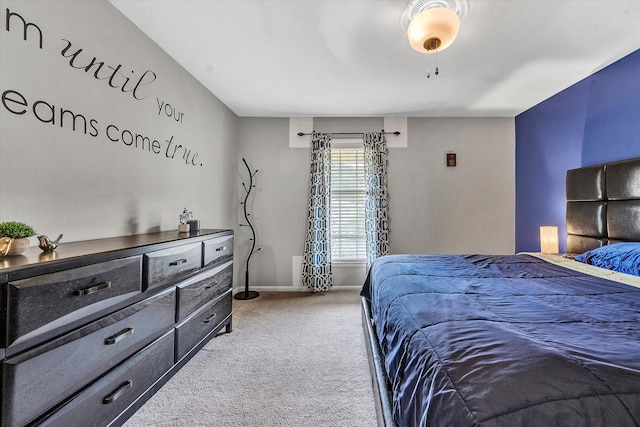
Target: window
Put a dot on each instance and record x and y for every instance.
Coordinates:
(348, 197)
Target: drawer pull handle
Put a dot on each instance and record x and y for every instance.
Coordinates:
(116, 394)
(211, 285)
(119, 336)
(93, 289)
(221, 248)
(178, 262)
(210, 318)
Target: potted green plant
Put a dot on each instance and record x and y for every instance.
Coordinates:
(14, 237)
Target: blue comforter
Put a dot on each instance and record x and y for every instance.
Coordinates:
(505, 341)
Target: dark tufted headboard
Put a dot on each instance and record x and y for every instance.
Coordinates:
(603, 205)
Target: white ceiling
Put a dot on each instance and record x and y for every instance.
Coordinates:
(282, 58)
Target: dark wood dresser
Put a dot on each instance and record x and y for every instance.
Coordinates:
(92, 330)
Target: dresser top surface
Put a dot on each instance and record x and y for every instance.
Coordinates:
(35, 257)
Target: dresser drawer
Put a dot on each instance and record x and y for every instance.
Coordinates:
(44, 306)
(201, 323)
(169, 265)
(217, 249)
(108, 397)
(42, 377)
(202, 288)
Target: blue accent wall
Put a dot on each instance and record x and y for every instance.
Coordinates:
(596, 120)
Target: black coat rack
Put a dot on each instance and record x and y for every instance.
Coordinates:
(247, 294)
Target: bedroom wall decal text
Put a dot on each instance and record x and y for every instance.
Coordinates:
(137, 84)
(115, 78)
(169, 111)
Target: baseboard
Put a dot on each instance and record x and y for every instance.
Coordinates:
(294, 288)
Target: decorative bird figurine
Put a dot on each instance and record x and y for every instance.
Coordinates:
(48, 245)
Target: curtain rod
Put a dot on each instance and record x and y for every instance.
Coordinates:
(349, 133)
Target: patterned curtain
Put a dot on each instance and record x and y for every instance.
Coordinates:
(377, 206)
(316, 263)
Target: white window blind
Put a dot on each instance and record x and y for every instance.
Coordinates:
(348, 195)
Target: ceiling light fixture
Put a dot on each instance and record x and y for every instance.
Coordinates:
(432, 25)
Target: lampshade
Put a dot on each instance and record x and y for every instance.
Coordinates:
(549, 239)
(433, 29)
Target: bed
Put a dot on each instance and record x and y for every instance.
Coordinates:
(526, 339)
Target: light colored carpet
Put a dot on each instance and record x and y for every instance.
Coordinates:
(293, 359)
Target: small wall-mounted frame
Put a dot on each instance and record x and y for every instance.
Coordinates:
(451, 159)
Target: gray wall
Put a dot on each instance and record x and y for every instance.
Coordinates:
(464, 209)
(80, 182)
(277, 204)
(434, 209)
